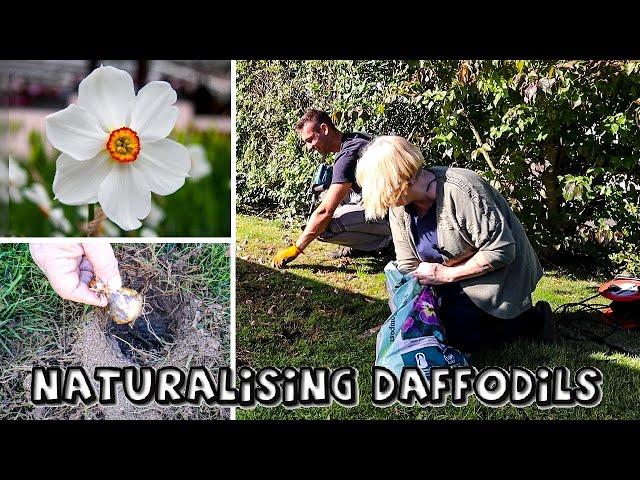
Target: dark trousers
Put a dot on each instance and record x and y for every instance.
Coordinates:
(469, 328)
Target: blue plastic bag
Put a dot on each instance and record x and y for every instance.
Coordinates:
(413, 335)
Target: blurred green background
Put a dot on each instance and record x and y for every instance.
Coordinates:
(201, 208)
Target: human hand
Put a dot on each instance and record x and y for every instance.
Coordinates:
(433, 274)
(285, 256)
(70, 267)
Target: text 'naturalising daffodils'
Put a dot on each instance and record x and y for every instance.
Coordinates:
(317, 387)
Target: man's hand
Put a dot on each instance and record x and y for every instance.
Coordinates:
(285, 256)
(70, 267)
(433, 274)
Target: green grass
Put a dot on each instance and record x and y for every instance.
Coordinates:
(27, 304)
(318, 311)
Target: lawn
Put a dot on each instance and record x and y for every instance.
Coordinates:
(321, 313)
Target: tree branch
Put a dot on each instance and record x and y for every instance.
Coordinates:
(480, 143)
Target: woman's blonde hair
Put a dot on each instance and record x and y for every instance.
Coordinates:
(384, 171)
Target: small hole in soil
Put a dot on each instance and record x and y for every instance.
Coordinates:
(153, 330)
(149, 333)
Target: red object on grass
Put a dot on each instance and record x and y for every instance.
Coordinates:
(621, 289)
(624, 311)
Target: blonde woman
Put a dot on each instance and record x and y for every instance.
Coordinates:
(455, 232)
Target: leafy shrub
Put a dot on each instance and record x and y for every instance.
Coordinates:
(560, 139)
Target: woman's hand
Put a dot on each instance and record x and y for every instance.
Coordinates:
(433, 273)
(437, 274)
(70, 266)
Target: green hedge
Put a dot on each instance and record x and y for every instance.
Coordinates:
(560, 139)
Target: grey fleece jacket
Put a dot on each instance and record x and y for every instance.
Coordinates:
(474, 218)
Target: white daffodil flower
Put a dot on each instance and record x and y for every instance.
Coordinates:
(12, 179)
(59, 221)
(114, 146)
(156, 215)
(38, 195)
(109, 229)
(200, 166)
(147, 232)
(4, 181)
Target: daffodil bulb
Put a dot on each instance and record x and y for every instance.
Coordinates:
(114, 146)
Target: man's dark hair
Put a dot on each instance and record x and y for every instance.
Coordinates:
(316, 117)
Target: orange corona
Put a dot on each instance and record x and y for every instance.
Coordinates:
(123, 145)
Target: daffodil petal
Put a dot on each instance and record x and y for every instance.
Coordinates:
(14, 195)
(156, 215)
(37, 194)
(153, 115)
(78, 183)
(200, 166)
(76, 132)
(165, 164)
(125, 196)
(108, 93)
(59, 221)
(17, 176)
(4, 181)
(147, 232)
